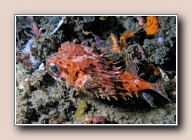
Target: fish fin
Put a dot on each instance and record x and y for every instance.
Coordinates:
(130, 66)
(124, 98)
(99, 44)
(75, 40)
(88, 93)
(114, 97)
(136, 94)
(96, 94)
(109, 48)
(148, 98)
(159, 89)
(113, 43)
(108, 98)
(129, 94)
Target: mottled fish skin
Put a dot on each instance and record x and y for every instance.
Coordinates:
(96, 71)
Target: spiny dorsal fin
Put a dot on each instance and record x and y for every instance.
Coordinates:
(113, 43)
(109, 48)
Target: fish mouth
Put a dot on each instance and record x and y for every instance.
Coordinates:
(60, 79)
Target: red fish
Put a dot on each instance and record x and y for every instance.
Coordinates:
(96, 70)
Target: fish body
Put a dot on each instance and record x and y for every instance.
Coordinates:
(95, 70)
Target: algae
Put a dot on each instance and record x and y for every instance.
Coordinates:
(81, 109)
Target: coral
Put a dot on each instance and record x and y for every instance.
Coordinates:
(141, 20)
(36, 78)
(36, 30)
(99, 120)
(151, 25)
(58, 26)
(124, 37)
(88, 19)
(39, 34)
(89, 120)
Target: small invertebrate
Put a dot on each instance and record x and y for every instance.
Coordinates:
(97, 70)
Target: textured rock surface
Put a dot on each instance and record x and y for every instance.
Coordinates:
(42, 100)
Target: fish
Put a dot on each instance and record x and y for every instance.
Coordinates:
(99, 70)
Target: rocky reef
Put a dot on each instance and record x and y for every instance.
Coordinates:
(40, 99)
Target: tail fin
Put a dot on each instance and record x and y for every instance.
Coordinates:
(159, 89)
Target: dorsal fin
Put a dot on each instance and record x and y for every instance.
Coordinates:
(109, 48)
(130, 66)
(113, 44)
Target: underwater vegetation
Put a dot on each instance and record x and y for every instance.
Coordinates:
(81, 109)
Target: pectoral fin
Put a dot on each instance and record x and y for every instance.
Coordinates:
(130, 66)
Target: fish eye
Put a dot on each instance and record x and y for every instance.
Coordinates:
(53, 68)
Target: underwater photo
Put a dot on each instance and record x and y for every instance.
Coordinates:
(96, 70)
